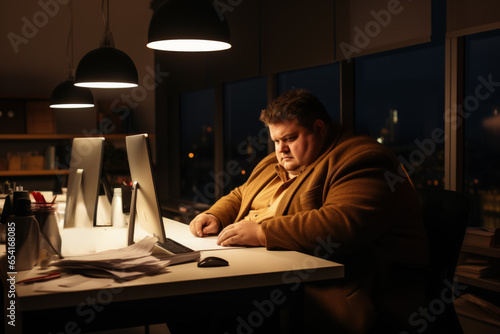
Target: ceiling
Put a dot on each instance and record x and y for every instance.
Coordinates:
(33, 56)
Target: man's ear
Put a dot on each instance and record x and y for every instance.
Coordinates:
(319, 127)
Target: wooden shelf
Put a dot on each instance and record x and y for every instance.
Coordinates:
(33, 172)
(483, 283)
(485, 251)
(56, 136)
(475, 322)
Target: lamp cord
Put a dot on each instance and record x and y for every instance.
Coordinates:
(69, 44)
(105, 17)
(107, 38)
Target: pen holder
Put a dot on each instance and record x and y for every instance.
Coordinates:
(24, 229)
(47, 217)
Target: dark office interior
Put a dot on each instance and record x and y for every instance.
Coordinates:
(421, 77)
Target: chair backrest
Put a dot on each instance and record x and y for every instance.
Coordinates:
(445, 215)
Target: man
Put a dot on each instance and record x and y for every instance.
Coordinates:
(325, 187)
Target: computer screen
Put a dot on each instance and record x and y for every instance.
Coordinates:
(85, 171)
(147, 205)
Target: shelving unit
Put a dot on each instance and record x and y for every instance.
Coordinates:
(472, 321)
(491, 284)
(484, 251)
(45, 178)
(482, 283)
(42, 172)
(57, 136)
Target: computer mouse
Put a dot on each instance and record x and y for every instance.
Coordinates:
(212, 261)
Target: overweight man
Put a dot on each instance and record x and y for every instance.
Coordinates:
(321, 187)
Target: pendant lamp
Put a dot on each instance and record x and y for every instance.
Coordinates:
(188, 25)
(66, 95)
(106, 66)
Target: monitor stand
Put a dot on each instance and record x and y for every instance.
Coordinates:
(133, 213)
(76, 214)
(174, 258)
(104, 200)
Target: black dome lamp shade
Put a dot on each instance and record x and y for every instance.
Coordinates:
(106, 66)
(67, 96)
(190, 26)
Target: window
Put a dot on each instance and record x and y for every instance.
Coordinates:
(400, 102)
(245, 136)
(197, 146)
(481, 108)
(322, 81)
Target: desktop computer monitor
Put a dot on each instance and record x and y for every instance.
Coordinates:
(145, 205)
(84, 181)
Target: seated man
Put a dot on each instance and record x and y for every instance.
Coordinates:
(336, 196)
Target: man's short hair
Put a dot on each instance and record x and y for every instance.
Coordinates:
(299, 104)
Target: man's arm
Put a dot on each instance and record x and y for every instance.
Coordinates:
(221, 214)
(228, 207)
(356, 207)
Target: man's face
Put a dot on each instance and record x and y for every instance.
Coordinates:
(296, 146)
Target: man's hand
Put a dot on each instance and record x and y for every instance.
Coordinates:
(204, 224)
(243, 233)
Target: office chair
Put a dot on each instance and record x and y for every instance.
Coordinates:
(445, 215)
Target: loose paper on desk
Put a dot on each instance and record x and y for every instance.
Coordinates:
(121, 264)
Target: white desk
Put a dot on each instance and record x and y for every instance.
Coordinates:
(249, 268)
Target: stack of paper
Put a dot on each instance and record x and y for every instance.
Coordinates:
(478, 308)
(479, 266)
(121, 264)
(482, 237)
(481, 271)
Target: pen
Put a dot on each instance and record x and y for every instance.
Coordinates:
(40, 278)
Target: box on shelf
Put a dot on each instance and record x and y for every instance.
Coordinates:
(25, 161)
(34, 162)
(40, 118)
(15, 161)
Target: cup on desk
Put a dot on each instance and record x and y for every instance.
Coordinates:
(48, 218)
